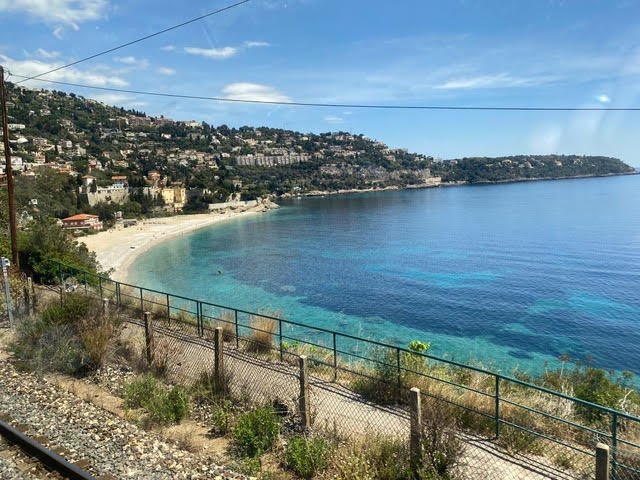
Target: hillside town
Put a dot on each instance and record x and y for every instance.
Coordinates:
(116, 163)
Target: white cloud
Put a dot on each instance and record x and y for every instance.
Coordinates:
(67, 12)
(126, 60)
(41, 52)
(333, 119)
(29, 68)
(500, 80)
(603, 98)
(168, 48)
(224, 52)
(253, 91)
(117, 99)
(166, 71)
(57, 32)
(256, 44)
(133, 61)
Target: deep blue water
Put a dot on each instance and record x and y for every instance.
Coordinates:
(508, 275)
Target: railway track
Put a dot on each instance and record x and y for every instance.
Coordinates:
(26, 458)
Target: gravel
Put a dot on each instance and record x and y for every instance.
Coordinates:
(102, 442)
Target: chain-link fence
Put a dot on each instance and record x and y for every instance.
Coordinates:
(495, 426)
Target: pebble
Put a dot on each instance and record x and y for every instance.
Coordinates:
(110, 445)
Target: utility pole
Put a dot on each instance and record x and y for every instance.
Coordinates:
(13, 227)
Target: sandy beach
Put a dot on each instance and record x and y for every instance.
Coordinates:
(117, 248)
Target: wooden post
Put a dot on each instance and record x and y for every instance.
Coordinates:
(148, 337)
(218, 364)
(602, 462)
(304, 404)
(105, 306)
(415, 435)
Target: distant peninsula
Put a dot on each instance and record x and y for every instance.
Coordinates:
(71, 154)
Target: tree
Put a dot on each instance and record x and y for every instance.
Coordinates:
(43, 243)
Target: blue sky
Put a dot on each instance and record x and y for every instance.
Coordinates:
(466, 52)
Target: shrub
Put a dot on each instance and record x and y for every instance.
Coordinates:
(442, 448)
(40, 347)
(140, 390)
(256, 431)
(97, 337)
(376, 459)
(221, 417)
(73, 308)
(162, 405)
(381, 384)
(307, 456)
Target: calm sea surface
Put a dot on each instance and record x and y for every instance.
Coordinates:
(508, 275)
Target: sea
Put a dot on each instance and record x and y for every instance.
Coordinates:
(507, 276)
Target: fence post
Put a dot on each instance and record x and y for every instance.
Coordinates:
(84, 279)
(304, 405)
(100, 286)
(218, 364)
(497, 409)
(141, 300)
(415, 435)
(602, 462)
(168, 310)
(614, 438)
(280, 338)
(118, 298)
(399, 373)
(237, 329)
(105, 306)
(335, 358)
(148, 337)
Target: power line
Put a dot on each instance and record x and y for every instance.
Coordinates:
(146, 37)
(335, 105)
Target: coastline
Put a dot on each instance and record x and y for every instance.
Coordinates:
(116, 249)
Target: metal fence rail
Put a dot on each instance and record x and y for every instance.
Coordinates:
(490, 404)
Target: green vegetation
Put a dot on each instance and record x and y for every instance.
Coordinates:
(522, 167)
(164, 405)
(71, 337)
(256, 431)
(42, 243)
(212, 162)
(307, 456)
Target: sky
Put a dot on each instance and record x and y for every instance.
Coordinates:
(551, 53)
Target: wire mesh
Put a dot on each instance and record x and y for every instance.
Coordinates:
(358, 387)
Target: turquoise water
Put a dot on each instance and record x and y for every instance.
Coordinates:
(510, 275)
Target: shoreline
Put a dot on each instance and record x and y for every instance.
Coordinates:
(461, 183)
(117, 249)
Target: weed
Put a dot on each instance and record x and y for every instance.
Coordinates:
(256, 431)
(163, 405)
(307, 456)
(221, 418)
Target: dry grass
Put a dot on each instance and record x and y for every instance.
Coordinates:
(263, 329)
(98, 336)
(227, 322)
